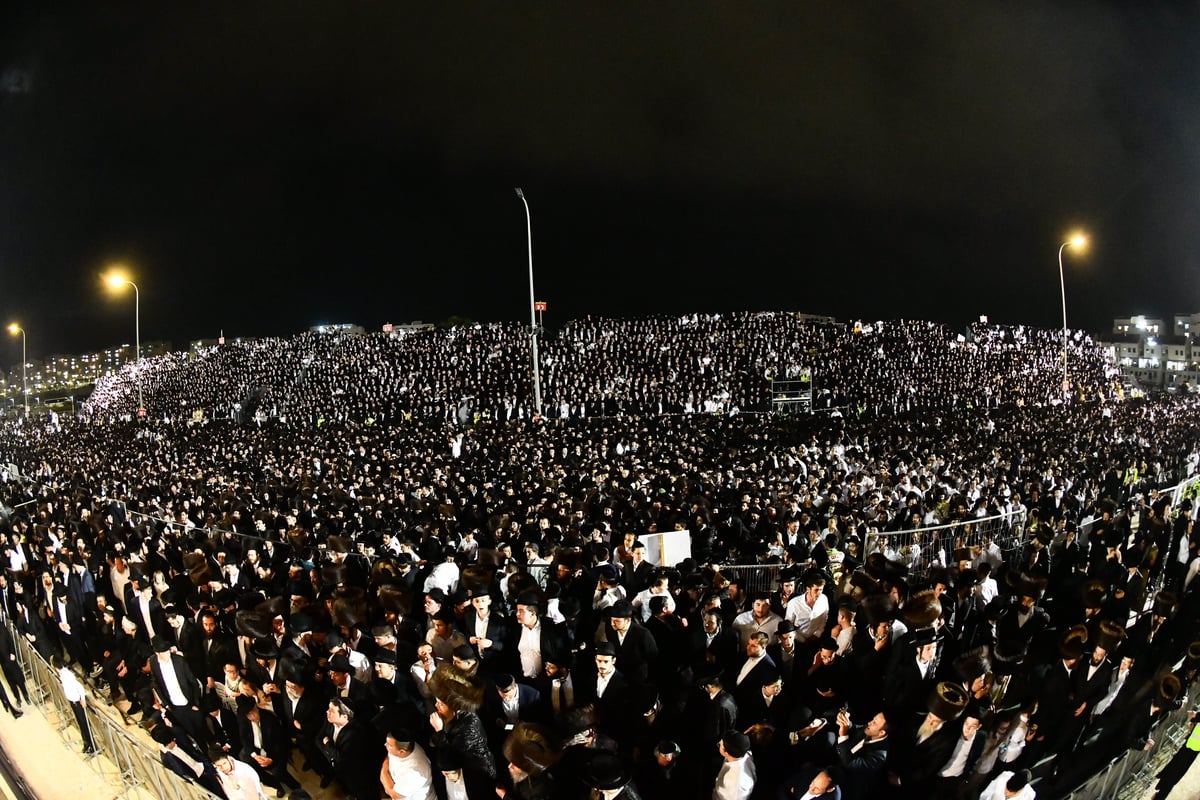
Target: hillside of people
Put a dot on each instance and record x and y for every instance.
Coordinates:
(943, 580)
(604, 367)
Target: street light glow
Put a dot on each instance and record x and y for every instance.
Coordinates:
(116, 279)
(14, 328)
(1078, 241)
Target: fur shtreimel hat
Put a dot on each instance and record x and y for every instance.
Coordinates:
(531, 748)
(1109, 636)
(460, 691)
(947, 701)
(922, 610)
(878, 608)
(973, 664)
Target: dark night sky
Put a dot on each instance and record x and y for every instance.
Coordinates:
(265, 167)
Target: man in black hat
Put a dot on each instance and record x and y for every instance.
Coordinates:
(178, 691)
(607, 688)
(1053, 682)
(784, 651)
(607, 775)
(634, 644)
(304, 706)
(505, 705)
(919, 753)
(913, 672)
(484, 630)
(68, 620)
(265, 746)
(346, 687)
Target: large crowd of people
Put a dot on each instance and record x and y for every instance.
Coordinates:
(329, 570)
(608, 367)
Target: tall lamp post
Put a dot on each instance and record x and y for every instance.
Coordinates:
(14, 329)
(1076, 242)
(117, 281)
(533, 327)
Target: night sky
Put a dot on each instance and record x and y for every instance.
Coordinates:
(265, 167)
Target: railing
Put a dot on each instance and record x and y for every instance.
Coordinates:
(1130, 775)
(131, 766)
(934, 545)
(919, 548)
(753, 577)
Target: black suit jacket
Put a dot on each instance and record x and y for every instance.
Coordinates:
(636, 653)
(613, 716)
(222, 651)
(275, 743)
(496, 631)
(309, 712)
(752, 683)
(187, 681)
(635, 579)
(355, 757)
(158, 619)
(190, 641)
(862, 770)
(225, 733)
(529, 709)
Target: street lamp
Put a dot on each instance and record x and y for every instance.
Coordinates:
(14, 329)
(1077, 242)
(116, 281)
(533, 330)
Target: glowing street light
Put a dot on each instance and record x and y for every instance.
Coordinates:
(117, 280)
(1077, 242)
(14, 329)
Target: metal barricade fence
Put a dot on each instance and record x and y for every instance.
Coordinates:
(924, 548)
(919, 548)
(753, 577)
(1130, 775)
(131, 766)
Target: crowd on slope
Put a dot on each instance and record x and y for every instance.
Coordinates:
(426, 608)
(607, 367)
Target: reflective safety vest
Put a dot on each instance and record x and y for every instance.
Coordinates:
(1193, 742)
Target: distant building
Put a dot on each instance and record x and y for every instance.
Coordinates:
(399, 329)
(1155, 359)
(344, 328)
(1137, 326)
(60, 374)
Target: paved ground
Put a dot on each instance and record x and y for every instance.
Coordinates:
(1189, 787)
(50, 767)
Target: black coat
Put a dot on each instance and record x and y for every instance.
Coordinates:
(355, 756)
(187, 681)
(862, 771)
(636, 653)
(462, 742)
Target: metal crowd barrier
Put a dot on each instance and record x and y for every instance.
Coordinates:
(1006, 530)
(1130, 775)
(753, 577)
(131, 766)
(926, 547)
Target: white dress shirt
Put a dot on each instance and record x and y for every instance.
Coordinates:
(530, 650)
(809, 622)
(995, 790)
(736, 779)
(412, 775)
